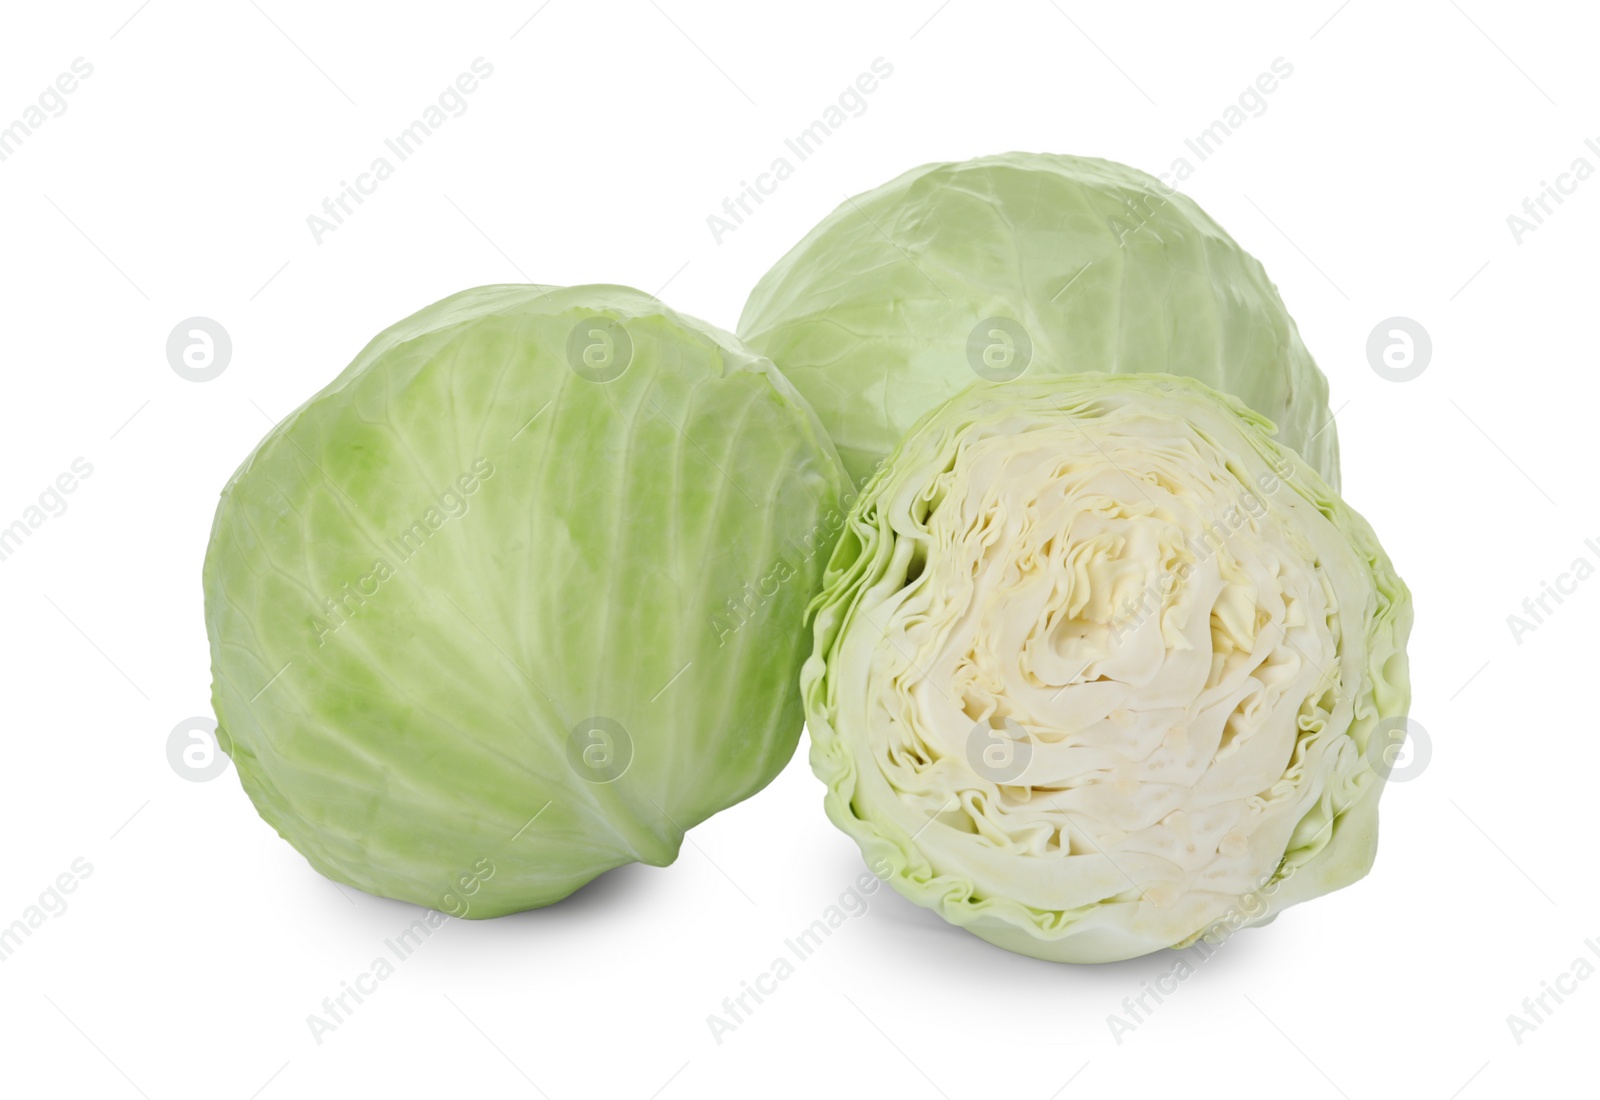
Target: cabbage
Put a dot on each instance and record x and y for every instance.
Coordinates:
(1100, 668)
(1025, 264)
(519, 597)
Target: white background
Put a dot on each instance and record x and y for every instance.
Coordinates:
(178, 182)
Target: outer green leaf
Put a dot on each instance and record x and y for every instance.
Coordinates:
(886, 308)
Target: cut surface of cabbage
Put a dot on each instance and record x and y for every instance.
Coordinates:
(1098, 664)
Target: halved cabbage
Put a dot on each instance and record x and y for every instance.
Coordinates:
(1097, 665)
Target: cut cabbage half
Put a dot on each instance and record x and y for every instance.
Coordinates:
(1097, 665)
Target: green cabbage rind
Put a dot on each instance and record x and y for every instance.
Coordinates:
(884, 554)
(637, 548)
(1103, 266)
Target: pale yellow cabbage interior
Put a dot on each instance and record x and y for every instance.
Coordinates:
(1157, 613)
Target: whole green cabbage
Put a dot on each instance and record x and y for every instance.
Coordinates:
(1025, 264)
(519, 596)
(1100, 667)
